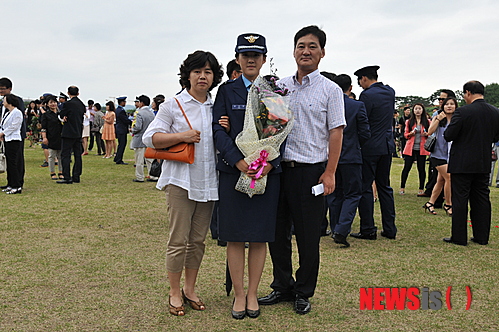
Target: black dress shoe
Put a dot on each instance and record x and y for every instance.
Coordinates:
(76, 180)
(383, 234)
(121, 163)
(4, 187)
(221, 243)
(370, 236)
(449, 240)
(302, 305)
(483, 243)
(135, 180)
(340, 239)
(64, 181)
(327, 232)
(275, 297)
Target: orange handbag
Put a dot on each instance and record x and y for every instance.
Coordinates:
(183, 152)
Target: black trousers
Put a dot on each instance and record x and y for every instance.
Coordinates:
(408, 161)
(377, 168)
(298, 207)
(92, 134)
(121, 148)
(101, 145)
(71, 145)
(15, 163)
(472, 188)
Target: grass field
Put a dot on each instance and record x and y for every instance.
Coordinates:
(91, 257)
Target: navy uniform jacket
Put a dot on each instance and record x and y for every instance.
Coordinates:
(73, 110)
(379, 100)
(122, 121)
(356, 132)
(231, 101)
(472, 130)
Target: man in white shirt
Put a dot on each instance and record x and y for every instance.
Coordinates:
(316, 137)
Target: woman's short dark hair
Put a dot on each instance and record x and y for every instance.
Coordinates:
(49, 98)
(12, 99)
(197, 60)
(111, 106)
(97, 106)
(158, 100)
(443, 122)
(312, 30)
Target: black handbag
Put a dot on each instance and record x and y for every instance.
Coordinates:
(429, 145)
(156, 168)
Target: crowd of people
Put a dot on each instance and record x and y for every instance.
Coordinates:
(342, 144)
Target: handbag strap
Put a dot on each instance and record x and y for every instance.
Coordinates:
(185, 116)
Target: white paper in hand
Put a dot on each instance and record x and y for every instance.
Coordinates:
(318, 189)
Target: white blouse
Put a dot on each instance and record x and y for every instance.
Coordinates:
(200, 179)
(10, 125)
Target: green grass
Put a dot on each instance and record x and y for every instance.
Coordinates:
(91, 257)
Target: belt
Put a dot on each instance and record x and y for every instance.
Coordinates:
(292, 164)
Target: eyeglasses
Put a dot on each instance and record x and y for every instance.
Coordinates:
(441, 99)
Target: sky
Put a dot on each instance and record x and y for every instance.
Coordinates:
(128, 48)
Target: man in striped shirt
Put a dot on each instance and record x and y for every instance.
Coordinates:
(317, 104)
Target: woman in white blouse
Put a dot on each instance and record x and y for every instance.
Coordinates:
(191, 189)
(10, 133)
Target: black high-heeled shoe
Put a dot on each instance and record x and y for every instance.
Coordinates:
(252, 313)
(447, 208)
(430, 208)
(237, 314)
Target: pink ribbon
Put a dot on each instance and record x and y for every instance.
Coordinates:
(259, 163)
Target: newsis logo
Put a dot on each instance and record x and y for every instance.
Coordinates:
(412, 298)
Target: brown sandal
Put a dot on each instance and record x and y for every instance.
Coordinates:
(199, 305)
(176, 311)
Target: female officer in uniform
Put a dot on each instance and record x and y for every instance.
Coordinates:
(241, 218)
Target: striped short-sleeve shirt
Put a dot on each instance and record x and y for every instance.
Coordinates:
(317, 105)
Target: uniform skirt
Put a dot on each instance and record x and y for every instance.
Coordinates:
(245, 219)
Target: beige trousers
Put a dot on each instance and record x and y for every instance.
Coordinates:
(139, 163)
(189, 223)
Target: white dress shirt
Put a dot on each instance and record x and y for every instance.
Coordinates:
(86, 118)
(200, 179)
(317, 105)
(10, 125)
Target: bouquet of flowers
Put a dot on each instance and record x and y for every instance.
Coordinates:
(267, 123)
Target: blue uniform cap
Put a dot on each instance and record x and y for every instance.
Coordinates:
(366, 71)
(121, 98)
(251, 42)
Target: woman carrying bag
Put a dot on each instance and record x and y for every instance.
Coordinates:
(191, 189)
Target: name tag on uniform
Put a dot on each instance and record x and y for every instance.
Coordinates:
(239, 107)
